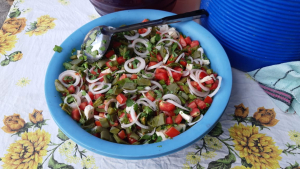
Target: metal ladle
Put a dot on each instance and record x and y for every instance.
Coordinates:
(98, 39)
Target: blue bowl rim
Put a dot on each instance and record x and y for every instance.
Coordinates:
(133, 152)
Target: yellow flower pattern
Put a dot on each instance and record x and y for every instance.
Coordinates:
(240, 167)
(27, 152)
(294, 136)
(213, 143)
(64, 2)
(23, 82)
(208, 155)
(193, 158)
(94, 16)
(67, 148)
(257, 148)
(43, 24)
(88, 162)
(7, 42)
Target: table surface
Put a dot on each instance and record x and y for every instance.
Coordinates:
(30, 138)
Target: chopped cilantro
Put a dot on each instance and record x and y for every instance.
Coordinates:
(83, 92)
(110, 91)
(67, 65)
(70, 99)
(57, 48)
(159, 139)
(102, 48)
(158, 94)
(129, 102)
(104, 41)
(105, 86)
(149, 48)
(73, 50)
(171, 79)
(145, 137)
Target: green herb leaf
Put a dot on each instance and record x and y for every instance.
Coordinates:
(149, 48)
(102, 48)
(171, 79)
(159, 139)
(158, 94)
(67, 65)
(110, 91)
(105, 86)
(73, 50)
(70, 99)
(129, 102)
(57, 48)
(145, 137)
(104, 41)
(83, 92)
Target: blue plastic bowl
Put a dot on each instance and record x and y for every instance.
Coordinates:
(214, 51)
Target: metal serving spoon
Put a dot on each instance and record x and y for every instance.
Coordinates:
(98, 39)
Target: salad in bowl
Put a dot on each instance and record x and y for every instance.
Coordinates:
(152, 85)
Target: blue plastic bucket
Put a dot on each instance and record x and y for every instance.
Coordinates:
(255, 33)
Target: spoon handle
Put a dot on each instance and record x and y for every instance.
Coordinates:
(166, 20)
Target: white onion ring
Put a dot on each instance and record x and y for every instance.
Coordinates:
(135, 36)
(141, 125)
(134, 118)
(108, 103)
(100, 91)
(143, 41)
(157, 84)
(195, 91)
(89, 80)
(192, 60)
(154, 66)
(143, 103)
(130, 124)
(201, 52)
(133, 96)
(217, 89)
(77, 90)
(152, 132)
(171, 69)
(118, 104)
(152, 105)
(177, 105)
(71, 73)
(163, 28)
(172, 97)
(74, 104)
(196, 78)
(87, 97)
(130, 46)
(198, 61)
(166, 58)
(120, 71)
(149, 29)
(167, 36)
(185, 73)
(97, 117)
(213, 76)
(190, 124)
(138, 69)
(158, 47)
(169, 39)
(179, 57)
(129, 91)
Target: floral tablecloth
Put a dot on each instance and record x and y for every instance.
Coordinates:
(253, 132)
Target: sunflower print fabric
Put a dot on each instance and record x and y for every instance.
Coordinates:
(253, 132)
